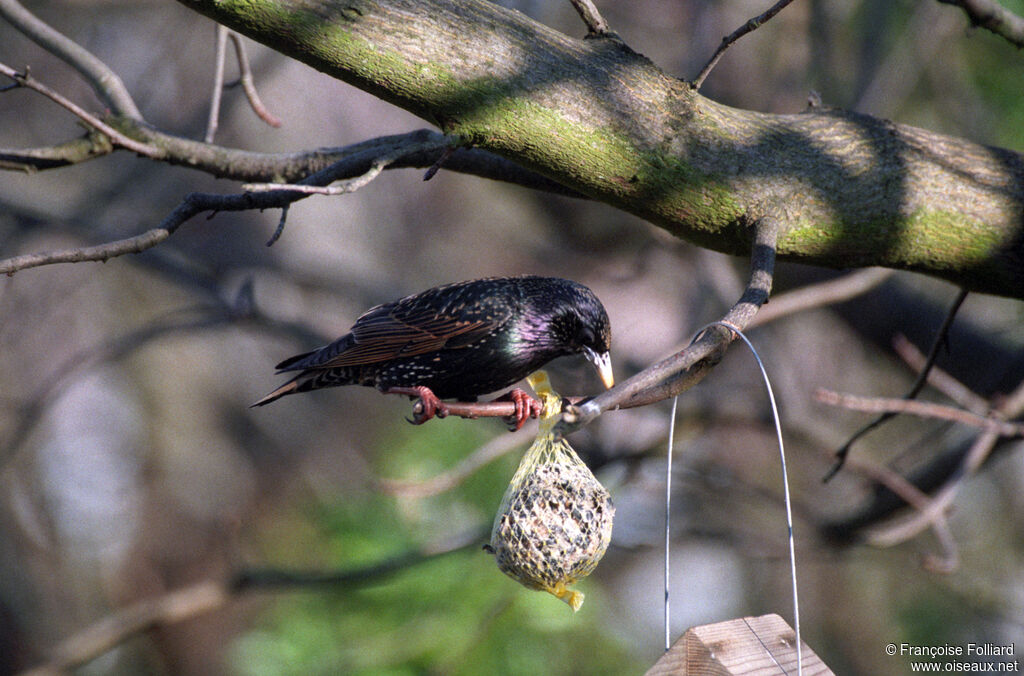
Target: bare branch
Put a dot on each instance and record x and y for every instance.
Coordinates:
(820, 295)
(61, 155)
(245, 78)
(938, 378)
(596, 25)
(933, 512)
(913, 524)
(750, 26)
(688, 367)
(915, 389)
(353, 184)
(921, 409)
(26, 80)
(100, 252)
(992, 16)
(920, 501)
(105, 82)
(220, 53)
(197, 203)
(117, 627)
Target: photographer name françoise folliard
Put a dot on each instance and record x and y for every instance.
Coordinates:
(971, 657)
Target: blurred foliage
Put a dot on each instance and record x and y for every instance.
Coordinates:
(453, 615)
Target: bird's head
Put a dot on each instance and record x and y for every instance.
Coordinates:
(566, 318)
(591, 333)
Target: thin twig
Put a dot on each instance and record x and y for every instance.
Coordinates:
(26, 80)
(750, 26)
(279, 230)
(436, 166)
(245, 78)
(197, 203)
(938, 378)
(317, 183)
(220, 55)
(920, 501)
(821, 294)
(992, 16)
(913, 524)
(378, 165)
(596, 25)
(922, 409)
(105, 82)
(901, 531)
(688, 367)
(100, 252)
(915, 389)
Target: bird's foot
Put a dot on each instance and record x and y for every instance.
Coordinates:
(526, 407)
(428, 406)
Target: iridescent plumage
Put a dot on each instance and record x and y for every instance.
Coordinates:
(460, 340)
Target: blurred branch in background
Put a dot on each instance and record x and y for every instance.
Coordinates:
(931, 492)
(915, 389)
(245, 79)
(204, 597)
(992, 16)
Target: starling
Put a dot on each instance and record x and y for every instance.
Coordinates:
(460, 341)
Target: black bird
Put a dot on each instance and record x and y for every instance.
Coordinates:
(460, 341)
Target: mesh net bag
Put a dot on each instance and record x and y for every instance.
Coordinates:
(555, 519)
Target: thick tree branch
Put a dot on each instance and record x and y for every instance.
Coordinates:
(849, 190)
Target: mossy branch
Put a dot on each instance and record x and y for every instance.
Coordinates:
(850, 190)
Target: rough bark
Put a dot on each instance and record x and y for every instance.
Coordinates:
(849, 190)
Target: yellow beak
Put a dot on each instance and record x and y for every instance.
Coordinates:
(603, 363)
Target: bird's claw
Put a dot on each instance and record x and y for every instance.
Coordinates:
(427, 405)
(526, 407)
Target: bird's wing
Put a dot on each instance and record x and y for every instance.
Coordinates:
(392, 331)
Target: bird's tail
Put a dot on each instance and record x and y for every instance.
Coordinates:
(288, 388)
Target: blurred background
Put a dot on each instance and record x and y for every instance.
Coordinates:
(131, 465)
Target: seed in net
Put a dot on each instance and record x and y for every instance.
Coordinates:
(555, 529)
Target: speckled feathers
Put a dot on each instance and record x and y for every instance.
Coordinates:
(460, 340)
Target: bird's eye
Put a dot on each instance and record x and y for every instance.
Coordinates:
(587, 336)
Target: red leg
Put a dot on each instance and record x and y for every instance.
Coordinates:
(428, 406)
(526, 407)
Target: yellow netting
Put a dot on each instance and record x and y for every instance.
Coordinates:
(555, 519)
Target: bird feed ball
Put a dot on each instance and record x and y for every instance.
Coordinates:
(555, 520)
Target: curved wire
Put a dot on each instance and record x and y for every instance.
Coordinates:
(785, 486)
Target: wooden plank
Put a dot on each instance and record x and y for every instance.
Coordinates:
(747, 646)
